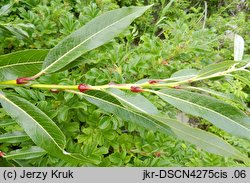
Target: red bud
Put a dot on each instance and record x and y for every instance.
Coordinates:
(83, 87)
(22, 80)
(157, 154)
(153, 81)
(2, 154)
(54, 90)
(176, 87)
(136, 89)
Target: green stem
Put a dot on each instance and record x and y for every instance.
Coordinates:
(59, 87)
(160, 84)
(9, 82)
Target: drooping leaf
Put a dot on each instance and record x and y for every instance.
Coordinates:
(136, 101)
(40, 128)
(238, 47)
(219, 113)
(92, 35)
(214, 68)
(110, 104)
(205, 140)
(25, 154)
(229, 97)
(21, 64)
(14, 137)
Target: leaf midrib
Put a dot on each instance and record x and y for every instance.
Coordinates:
(27, 153)
(13, 137)
(44, 70)
(185, 101)
(20, 64)
(2, 96)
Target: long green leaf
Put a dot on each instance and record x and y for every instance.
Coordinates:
(92, 35)
(136, 101)
(205, 140)
(217, 112)
(109, 104)
(214, 68)
(25, 154)
(21, 64)
(7, 122)
(229, 97)
(40, 128)
(14, 137)
(242, 79)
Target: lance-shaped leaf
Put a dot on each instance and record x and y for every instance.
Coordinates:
(110, 104)
(14, 137)
(226, 96)
(25, 154)
(238, 47)
(242, 79)
(214, 68)
(21, 64)
(40, 128)
(135, 101)
(205, 140)
(7, 122)
(219, 113)
(95, 33)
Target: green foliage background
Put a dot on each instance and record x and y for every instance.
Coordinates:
(149, 48)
